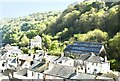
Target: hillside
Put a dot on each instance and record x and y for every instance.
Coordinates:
(87, 21)
(86, 16)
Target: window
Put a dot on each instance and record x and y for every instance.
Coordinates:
(82, 68)
(3, 64)
(32, 74)
(96, 64)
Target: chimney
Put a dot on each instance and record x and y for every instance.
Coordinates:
(92, 54)
(105, 59)
(50, 65)
(62, 54)
(76, 70)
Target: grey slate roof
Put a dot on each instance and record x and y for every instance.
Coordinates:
(83, 57)
(63, 58)
(61, 71)
(38, 67)
(96, 59)
(83, 76)
(84, 47)
(51, 58)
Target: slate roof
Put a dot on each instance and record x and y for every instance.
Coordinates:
(38, 67)
(84, 47)
(61, 71)
(83, 76)
(96, 59)
(51, 58)
(63, 58)
(83, 57)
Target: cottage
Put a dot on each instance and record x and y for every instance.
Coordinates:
(36, 70)
(96, 64)
(12, 50)
(81, 60)
(36, 42)
(78, 48)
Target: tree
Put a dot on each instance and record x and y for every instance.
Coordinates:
(47, 39)
(114, 47)
(92, 36)
(26, 26)
(24, 41)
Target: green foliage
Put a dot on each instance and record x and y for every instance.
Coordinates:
(93, 36)
(24, 50)
(47, 39)
(114, 47)
(24, 41)
(115, 65)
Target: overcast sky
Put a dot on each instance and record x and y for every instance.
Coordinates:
(17, 8)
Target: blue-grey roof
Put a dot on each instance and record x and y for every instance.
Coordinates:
(84, 47)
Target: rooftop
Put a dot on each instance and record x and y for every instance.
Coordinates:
(38, 67)
(96, 59)
(83, 76)
(61, 71)
(83, 57)
(84, 47)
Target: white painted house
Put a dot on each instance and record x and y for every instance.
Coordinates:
(95, 64)
(12, 50)
(36, 42)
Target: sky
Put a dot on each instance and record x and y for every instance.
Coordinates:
(19, 8)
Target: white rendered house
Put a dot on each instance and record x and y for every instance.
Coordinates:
(36, 42)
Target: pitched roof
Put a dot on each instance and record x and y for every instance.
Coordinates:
(63, 58)
(38, 67)
(84, 47)
(61, 71)
(96, 59)
(51, 58)
(83, 57)
(36, 39)
(83, 76)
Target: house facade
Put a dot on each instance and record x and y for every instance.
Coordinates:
(36, 42)
(94, 65)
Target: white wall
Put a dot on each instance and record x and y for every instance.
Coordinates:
(91, 66)
(105, 67)
(68, 62)
(1, 67)
(35, 75)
